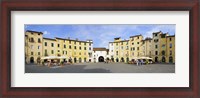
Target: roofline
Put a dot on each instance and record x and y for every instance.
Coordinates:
(135, 36)
(34, 31)
(49, 39)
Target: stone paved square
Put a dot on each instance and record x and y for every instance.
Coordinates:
(102, 68)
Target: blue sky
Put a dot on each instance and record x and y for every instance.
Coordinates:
(100, 34)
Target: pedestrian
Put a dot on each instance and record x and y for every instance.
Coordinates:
(137, 62)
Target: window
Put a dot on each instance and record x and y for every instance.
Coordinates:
(156, 52)
(52, 44)
(79, 53)
(52, 52)
(38, 53)
(38, 47)
(132, 43)
(90, 44)
(70, 47)
(163, 46)
(156, 46)
(116, 52)
(170, 45)
(74, 42)
(138, 42)
(138, 37)
(126, 47)
(32, 47)
(45, 53)
(90, 48)
(133, 48)
(32, 40)
(121, 43)
(79, 43)
(39, 41)
(69, 42)
(45, 43)
(74, 47)
(84, 48)
(58, 50)
(126, 43)
(84, 43)
(163, 52)
(58, 45)
(170, 39)
(65, 52)
(80, 48)
(170, 52)
(38, 34)
(31, 53)
(138, 48)
(122, 47)
(155, 34)
(64, 46)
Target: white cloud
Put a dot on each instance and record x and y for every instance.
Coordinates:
(46, 33)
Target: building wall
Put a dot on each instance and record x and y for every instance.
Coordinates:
(135, 46)
(147, 48)
(33, 46)
(75, 49)
(170, 49)
(98, 54)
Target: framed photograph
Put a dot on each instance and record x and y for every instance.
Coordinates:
(120, 48)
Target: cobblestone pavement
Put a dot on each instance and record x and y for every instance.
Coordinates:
(102, 68)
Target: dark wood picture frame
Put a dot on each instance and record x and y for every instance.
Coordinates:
(193, 91)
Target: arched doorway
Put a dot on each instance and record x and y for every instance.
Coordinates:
(170, 59)
(163, 59)
(101, 59)
(117, 60)
(80, 60)
(85, 60)
(127, 60)
(112, 59)
(156, 59)
(32, 60)
(122, 59)
(74, 60)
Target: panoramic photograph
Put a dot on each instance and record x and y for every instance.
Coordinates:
(99, 48)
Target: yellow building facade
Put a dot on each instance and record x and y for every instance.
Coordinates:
(33, 46)
(78, 51)
(161, 48)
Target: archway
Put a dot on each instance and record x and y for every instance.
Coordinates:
(80, 60)
(101, 59)
(170, 59)
(163, 59)
(32, 60)
(122, 59)
(117, 60)
(112, 59)
(85, 60)
(74, 60)
(156, 59)
(127, 59)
